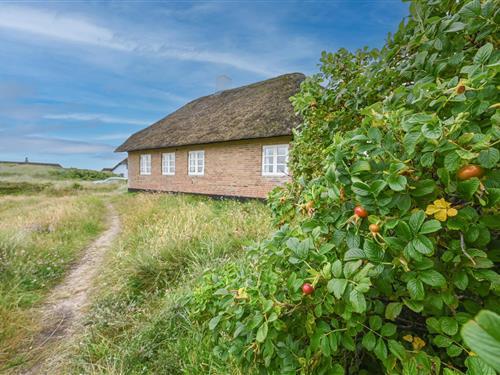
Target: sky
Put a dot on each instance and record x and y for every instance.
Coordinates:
(77, 78)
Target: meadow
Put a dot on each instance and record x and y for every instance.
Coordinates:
(138, 321)
(46, 221)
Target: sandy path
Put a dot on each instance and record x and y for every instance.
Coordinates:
(63, 312)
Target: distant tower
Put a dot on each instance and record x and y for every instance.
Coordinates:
(26, 159)
(223, 82)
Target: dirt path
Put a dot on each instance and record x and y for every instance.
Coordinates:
(63, 312)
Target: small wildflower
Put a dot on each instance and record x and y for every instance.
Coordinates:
(441, 210)
(418, 343)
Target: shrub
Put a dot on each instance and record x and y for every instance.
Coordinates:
(81, 174)
(408, 135)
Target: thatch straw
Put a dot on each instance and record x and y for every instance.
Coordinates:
(259, 110)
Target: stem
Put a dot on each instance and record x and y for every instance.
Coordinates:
(462, 246)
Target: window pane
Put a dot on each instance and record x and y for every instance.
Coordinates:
(268, 160)
(282, 150)
(281, 159)
(200, 155)
(268, 168)
(269, 151)
(280, 168)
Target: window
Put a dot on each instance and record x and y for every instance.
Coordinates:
(275, 160)
(196, 164)
(145, 167)
(168, 164)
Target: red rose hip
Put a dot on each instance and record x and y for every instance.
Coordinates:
(307, 289)
(360, 212)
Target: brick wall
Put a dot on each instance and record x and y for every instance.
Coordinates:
(231, 168)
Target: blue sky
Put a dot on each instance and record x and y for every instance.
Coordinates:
(77, 78)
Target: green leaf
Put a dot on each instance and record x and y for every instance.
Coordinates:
(432, 131)
(468, 188)
(397, 182)
(262, 332)
(337, 287)
(353, 254)
(360, 166)
(416, 220)
(476, 366)
(380, 349)
(358, 301)
(433, 278)
(375, 322)
(424, 187)
(369, 341)
(388, 329)
(455, 26)
(392, 310)
(481, 335)
(337, 370)
(454, 350)
(416, 289)
(427, 159)
(325, 346)
(337, 268)
(442, 341)
(452, 161)
(350, 268)
(403, 231)
(430, 226)
(214, 321)
(423, 245)
(489, 158)
(483, 54)
(397, 350)
(448, 325)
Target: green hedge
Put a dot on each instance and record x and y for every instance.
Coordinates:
(392, 216)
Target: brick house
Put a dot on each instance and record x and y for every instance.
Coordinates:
(232, 143)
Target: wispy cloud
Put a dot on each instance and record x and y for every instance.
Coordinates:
(74, 29)
(96, 117)
(112, 137)
(51, 146)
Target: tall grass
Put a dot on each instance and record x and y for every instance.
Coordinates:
(20, 179)
(139, 323)
(39, 238)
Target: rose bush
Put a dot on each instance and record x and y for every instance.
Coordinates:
(399, 244)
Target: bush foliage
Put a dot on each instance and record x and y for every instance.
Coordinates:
(390, 131)
(81, 174)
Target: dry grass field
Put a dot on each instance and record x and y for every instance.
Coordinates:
(137, 321)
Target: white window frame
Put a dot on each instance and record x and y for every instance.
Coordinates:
(274, 172)
(194, 155)
(168, 169)
(145, 164)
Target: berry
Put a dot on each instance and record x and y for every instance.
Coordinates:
(470, 171)
(360, 212)
(374, 228)
(307, 289)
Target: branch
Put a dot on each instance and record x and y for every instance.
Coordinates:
(462, 246)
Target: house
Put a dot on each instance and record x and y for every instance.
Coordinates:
(120, 169)
(231, 143)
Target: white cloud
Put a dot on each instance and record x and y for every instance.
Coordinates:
(112, 137)
(96, 117)
(51, 146)
(75, 29)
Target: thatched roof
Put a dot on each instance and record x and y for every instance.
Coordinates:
(259, 110)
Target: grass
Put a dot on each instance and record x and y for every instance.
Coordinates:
(19, 179)
(40, 237)
(138, 323)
